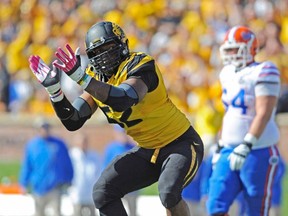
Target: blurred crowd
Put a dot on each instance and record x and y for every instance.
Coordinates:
(183, 36)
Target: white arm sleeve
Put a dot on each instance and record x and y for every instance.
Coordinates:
(268, 81)
(265, 89)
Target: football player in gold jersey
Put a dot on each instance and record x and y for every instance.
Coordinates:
(128, 87)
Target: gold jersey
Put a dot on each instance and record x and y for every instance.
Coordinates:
(153, 122)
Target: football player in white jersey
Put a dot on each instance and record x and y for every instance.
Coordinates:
(249, 157)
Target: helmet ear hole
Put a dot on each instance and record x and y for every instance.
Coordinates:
(125, 51)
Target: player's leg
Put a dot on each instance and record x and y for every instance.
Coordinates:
(180, 161)
(257, 176)
(40, 205)
(55, 201)
(170, 187)
(125, 174)
(192, 194)
(276, 201)
(180, 209)
(224, 185)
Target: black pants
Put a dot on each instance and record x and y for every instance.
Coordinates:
(174, 168)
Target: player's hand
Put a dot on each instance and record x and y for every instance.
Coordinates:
(49, 78)
(216, 154)
(70, 63)
(238, 156)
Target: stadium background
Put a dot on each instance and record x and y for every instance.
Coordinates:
(183, 36)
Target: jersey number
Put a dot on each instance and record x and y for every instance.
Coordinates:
(238, 101)
(124, 118)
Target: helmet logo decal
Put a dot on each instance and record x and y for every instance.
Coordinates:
(246, 35)
(117, 31)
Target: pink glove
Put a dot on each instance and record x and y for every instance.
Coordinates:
(67, 62)
(49, 78)
(71, 64)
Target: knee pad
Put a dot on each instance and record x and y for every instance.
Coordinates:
(104, 194)
(169, 200)
(99, 196)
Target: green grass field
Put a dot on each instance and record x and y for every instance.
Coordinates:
(11, 170)
(284, 210)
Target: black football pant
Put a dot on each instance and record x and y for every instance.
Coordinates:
(174, 168)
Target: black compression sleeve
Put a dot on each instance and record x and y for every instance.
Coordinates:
(72, 117)
(122, 97)
(63, 108)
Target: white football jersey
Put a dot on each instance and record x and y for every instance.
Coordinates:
(239, 91)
